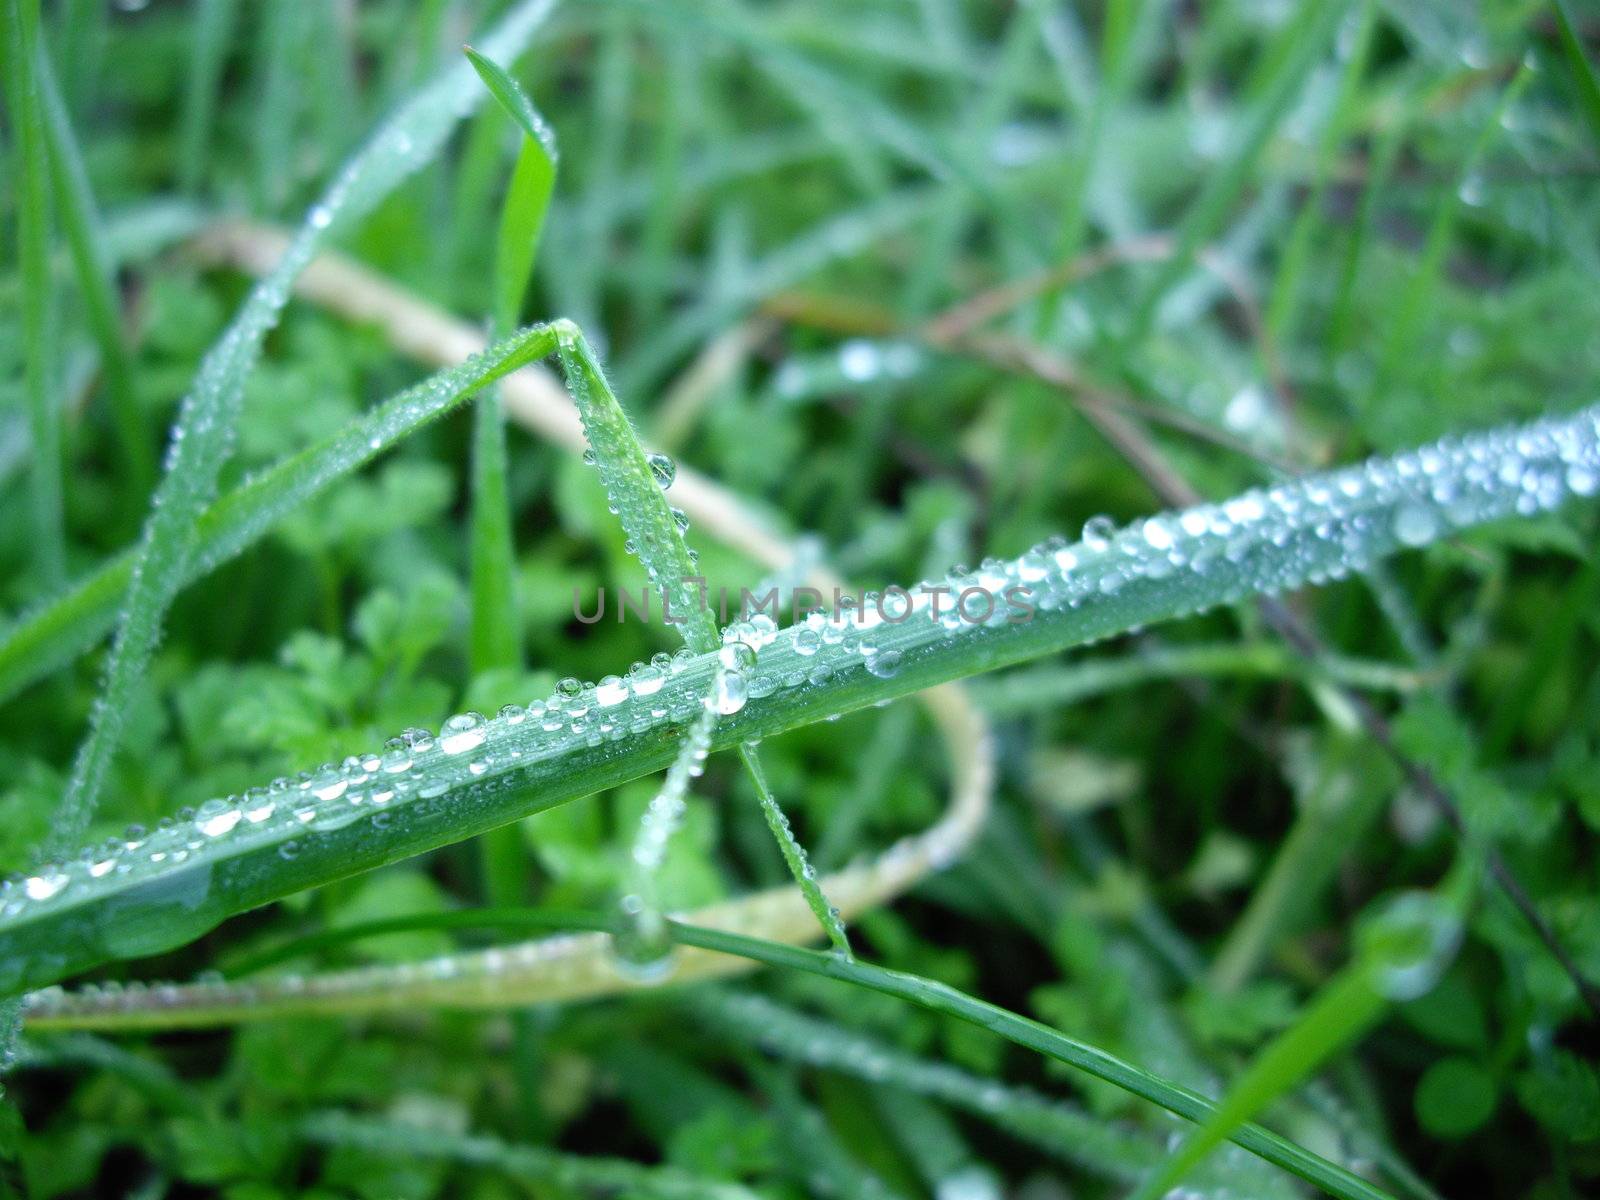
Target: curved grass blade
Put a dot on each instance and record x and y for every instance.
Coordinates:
(202, 437)
(96, 275)
(941, 998)
(163, 890)
(496, 625)
(1074, 1137)
(1401, 954)
(39, 643)
(534, 1165)
(19, 42)
(636, 485)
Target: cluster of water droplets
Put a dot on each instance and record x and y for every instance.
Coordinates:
(1307, 531)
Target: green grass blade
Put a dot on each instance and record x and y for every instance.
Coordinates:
(1071, 1135)
(1286, 282)
(96, 276)
(1121, 19)
(1583, 72)
(1341, 1011)
(496, 623)
(527, 199)
(1401, 952)
(212, 30)
(633, 484)
(202, 438)
(77, 619)
(1416, 302)
(536, 1166)
(938, 997)
(239, 853)
(1289, 64)
(20, 43)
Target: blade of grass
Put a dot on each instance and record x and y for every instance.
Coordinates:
(1072, 1136)
(202, 437)
(940, 998)
(1285, 290)
(644, 940)
(1582, 70)
(139, 899)
(496, 624)
(1288, 63)
(1116, 41)
(1417, 299)
(30, 168)
(211, 32)
(1400, 955)
(636, 486)
(96, 276)
(534, 1165)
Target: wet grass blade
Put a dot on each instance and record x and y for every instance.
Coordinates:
(1072, 1136)
(496, 623)
(938, 997)
(536, 1166)
(140, 898)
(202, 437)
(636, 485)
(30, 169)
(96, 276)
(1341, 1011)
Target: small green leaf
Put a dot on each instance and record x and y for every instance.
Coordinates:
(1454, 1097)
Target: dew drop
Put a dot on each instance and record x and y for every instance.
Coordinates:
(663, 469)
(885, 665)
(1415, 525)
(461, 733)
(1098, 531)
(729, 694)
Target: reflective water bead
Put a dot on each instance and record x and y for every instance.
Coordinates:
(462, 732)
(663, 469)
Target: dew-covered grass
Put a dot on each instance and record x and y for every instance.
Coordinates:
(1167, 434)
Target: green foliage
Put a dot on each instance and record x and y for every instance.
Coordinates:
(1295, 236)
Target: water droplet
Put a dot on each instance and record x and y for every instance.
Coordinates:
(1098, 531)
(1415, 525)
(729, 694)
(461, 733)
(44, 885)
(216, 817)
(737, 656)
(663, 468)
(885, 665)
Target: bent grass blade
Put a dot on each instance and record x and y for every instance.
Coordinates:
(636, 485)
(495, 640)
